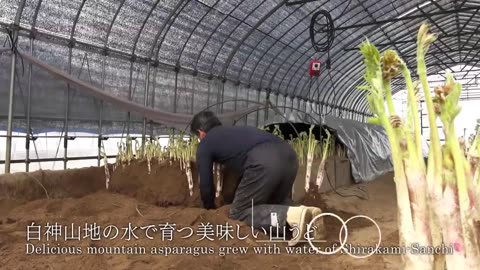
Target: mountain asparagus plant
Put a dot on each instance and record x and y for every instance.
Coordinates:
(311, 146)
(327, 142)
(438, 203)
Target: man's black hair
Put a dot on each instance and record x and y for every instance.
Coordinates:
(204, 120)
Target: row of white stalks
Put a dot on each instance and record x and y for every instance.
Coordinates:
(181, 149)
(306, 146)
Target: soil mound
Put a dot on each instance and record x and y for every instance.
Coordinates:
(41, 184)
(78, 198)
(140, 248)
(166, 184)
(119, 212)
(333, 225)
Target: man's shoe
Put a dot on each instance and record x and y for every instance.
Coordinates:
(298, 218)
(317, 228)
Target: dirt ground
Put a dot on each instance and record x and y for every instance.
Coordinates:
(154, 205)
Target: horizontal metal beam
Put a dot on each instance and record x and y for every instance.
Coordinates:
(449, 63)
(413, 40)
(53, 159)
(468, 98)
(407, 18)
(59, 119)
(300, 2)
(443, 52)
(38, 136)
(430, 82)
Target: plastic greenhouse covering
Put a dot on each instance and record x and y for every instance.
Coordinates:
(127, 66)
(367, 145)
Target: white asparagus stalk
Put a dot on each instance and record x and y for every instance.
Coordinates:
(150, 153)
(124, 154)
(189, 177)
(127, 150)
(191, 151)
(118, 160)
(105, 166)
(149, 166)
(311, 150)
(320, 174)
(219, 179)
(138, 152)
(321, 168)
(171, 149)
(107, 175)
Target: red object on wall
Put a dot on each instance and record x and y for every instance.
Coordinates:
(314, 68)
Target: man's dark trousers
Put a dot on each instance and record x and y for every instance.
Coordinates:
(270, 170)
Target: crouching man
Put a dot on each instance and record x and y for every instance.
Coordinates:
(268, 168)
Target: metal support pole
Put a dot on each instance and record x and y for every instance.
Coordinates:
(218, 100)
(29, 106)
(100, 117)
(258, 112)
(193, 94)
(222, 96)
(248, 96)
(285, 103)
(67, 107)
(145, 103)
(153, 98)
(8, 150)
(208, 94)
(267, 107)
(236, 97)
(175, 93)
(129, 96)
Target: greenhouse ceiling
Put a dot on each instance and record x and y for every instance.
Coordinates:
(240, 45)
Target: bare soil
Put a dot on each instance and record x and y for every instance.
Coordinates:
(165, 185)
(140, 199)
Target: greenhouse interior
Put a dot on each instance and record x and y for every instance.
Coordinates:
(240, 134)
